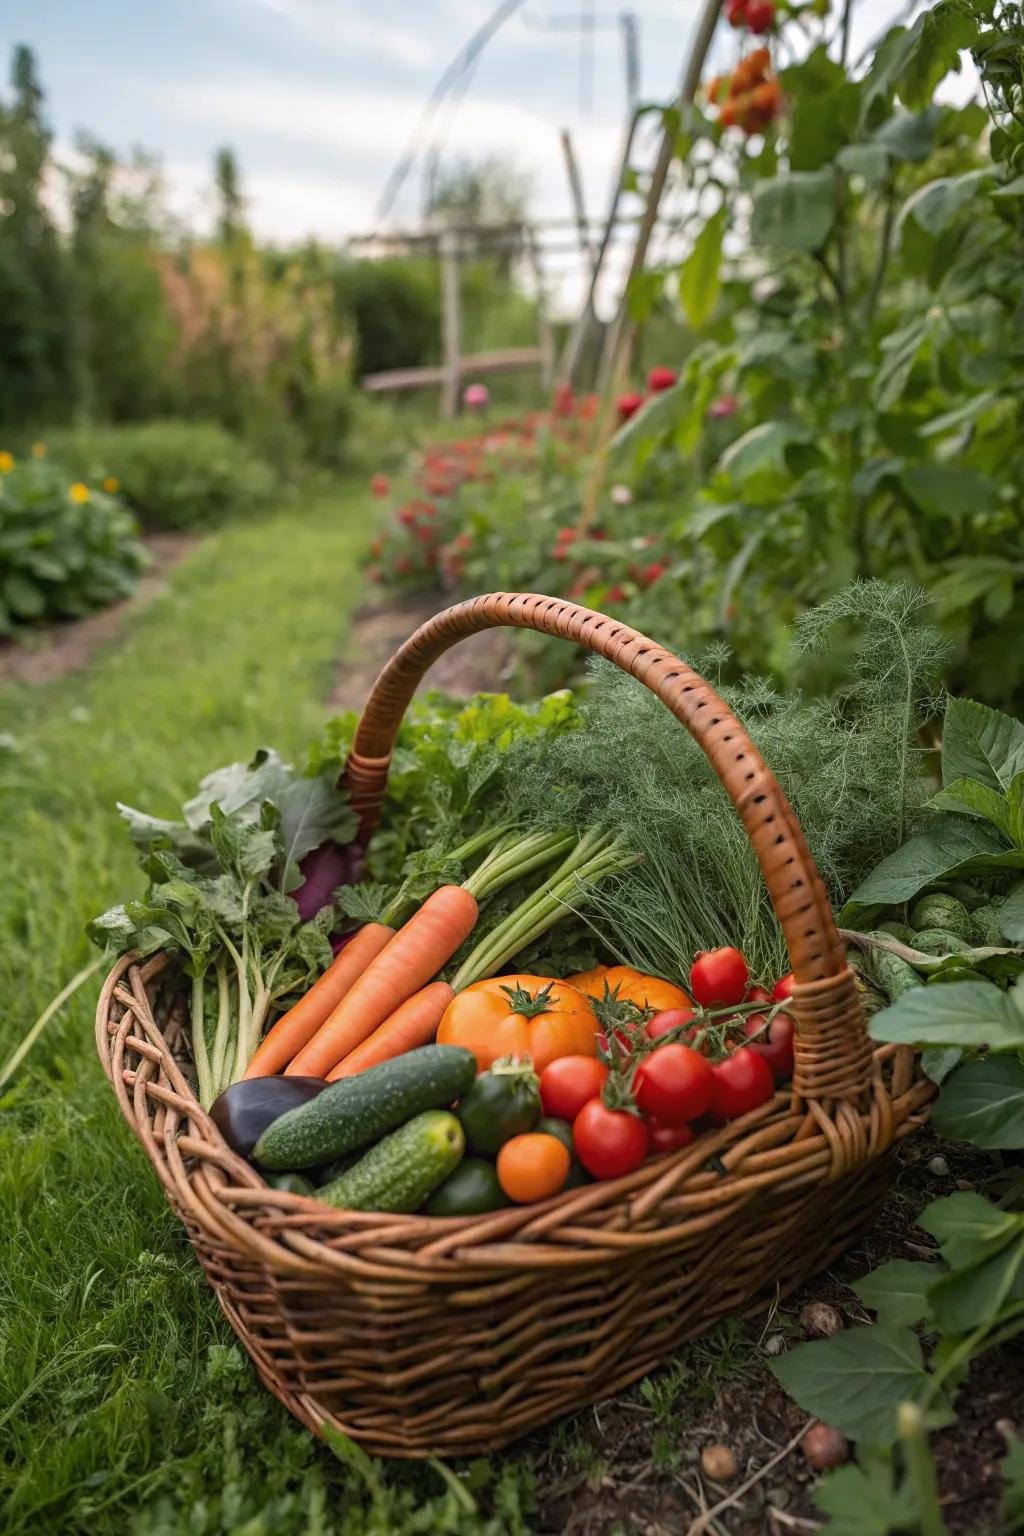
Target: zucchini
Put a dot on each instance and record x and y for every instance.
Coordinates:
(891, 974)
(356, 1111)
(986, 923)
(899, 931)
(943, 912)
(401, 1171)
(471, 1190)
(938, 941)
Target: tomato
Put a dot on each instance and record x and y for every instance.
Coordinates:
(741, 1082)
(667, 1138)
(757, 995)
(609, 1142)
(533, 1167)
(776, 1046)
(528, 1017)
(719, 977)
(759, 15)
(629, 986)
(735, 12)
(588, 981)
(569, 1083)
(665, 1022)
(783, 988)
(766, 100)
(674, 1083)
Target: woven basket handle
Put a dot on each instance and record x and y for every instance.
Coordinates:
(833, 1053)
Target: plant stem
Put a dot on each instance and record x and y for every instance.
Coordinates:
(199, 1050)
(21, 1051)
(884, 247)
(511, 860)
(921, 1469)
(223, 1031)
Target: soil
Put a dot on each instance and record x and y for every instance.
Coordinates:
(377, 631)
(633, 1464)
(41, 656)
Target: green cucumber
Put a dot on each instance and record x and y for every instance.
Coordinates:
(891, 974)
(941, 912)
(899, 931)
(934, 941)
(359, 1110)
(471, 1190)
(290, 1183)
(401, 1171)
(987, 924)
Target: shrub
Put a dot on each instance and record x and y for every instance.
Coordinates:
(65, 549)
(174, 474)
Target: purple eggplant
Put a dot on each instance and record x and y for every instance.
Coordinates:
(245, 1109)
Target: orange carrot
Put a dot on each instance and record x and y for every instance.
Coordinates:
(297, 1027)
(413, 1023)
(412, 958)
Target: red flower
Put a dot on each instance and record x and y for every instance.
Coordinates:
(376, 547)
(423, 533)
(660, 379)
(373, 572)
(563, 401)
(615, 594)
(464, 541)
(407, 516)
(628, 405)
(652, 573)
(725, 405)
(403, 565)
(566, 535)
(380, 485)
(599, 534)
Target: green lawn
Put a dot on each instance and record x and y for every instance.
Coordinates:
(125, 1405)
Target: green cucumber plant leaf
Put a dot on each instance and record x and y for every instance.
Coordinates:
(983, 1102)
(898, 1290)
(865, 1500)
(856, 1380)
(982, 744)
(973, 1015)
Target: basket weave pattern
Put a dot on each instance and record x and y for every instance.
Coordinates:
(428, 1335)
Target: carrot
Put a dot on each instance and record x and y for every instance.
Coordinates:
(412, 958)
(297, 1027)
(413, 1023)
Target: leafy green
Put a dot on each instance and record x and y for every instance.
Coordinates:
(898, 1290)
(974, 1015)
(983, 1102)
(856, 1380)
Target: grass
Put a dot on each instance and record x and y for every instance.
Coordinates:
(126, 1405)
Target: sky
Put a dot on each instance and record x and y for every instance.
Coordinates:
(319, 98)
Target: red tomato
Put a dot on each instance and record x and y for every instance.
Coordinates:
(783, 987)
(569, 1082)
(669, 1019)
(609, 1142)
(776, 1046)
(674, 1083)
(741, 1082)
(735, 12)
(757, 995)
(719, 976)
(759, 15)
(667, 1138)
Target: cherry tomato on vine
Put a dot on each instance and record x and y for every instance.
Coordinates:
(674, 1083)
(741, 1082)
(775, 1045)
(665, 1022)
(667, 1138)
(570, 1082)
(719, 977)
(757, 995)
(759, 15)
(783, 987)
(735, 12)
(609, 1142)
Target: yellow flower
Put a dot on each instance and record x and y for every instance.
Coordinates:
(6, 461)
(111, 485)
(39, 450)
(79, 493)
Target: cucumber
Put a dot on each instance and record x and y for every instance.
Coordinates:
(936, 941)
(291, 1183)
(986, 923)
(898, 931)
(893, 975)
(942, 912)
(359, 1110)
(401, 1171)
(471, 1190)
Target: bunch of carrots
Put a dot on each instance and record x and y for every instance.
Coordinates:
(382, 996)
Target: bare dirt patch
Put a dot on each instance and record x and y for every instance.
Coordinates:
(480, 664)
(44, 655)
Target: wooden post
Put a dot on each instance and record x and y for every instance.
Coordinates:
(576, 192)
(451, 321)
(545, 330)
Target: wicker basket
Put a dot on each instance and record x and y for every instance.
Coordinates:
(429, 1335)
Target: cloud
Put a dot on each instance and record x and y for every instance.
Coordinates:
(341, 29)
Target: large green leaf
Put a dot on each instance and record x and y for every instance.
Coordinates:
(857, 1380)
(699, 277)
(968, 1227)
(822, 124)
(981, 743)
(864, 1500)
(969, 798)
(948, 490)
(966, 1299)
(763, 447)
(952, 845)
(1011, 916)
(909, 135)
(901, 349)
(1011, 1510)
(973, 1015)
(868, 160)
(794, 212)
(897, 1291)
(936, 205)
(983, 1101)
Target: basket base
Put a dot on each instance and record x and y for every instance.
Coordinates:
(456, 1372)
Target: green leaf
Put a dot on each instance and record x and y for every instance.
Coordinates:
(983, 1101)
(1011, 1509)
(973, 1015)
(794, 212)
(900, 348)
(822, 124)
(934, 44)
(937, 204)
(312, 812)
(243, 847)
(909, 135)
(954, 845)
(981, 743)
(23, 597)
(897, 1291)
(868, 160)
(864, 1500)
(970, 798)
(657, 417)
(1014, 188)
(763, 447)
(937, 1062)
(857, 1380)
(966, 1299)
(1011, 916)
(948, 490)
(699, 279)
(968, 1228)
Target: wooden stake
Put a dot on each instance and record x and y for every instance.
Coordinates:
(451, 323)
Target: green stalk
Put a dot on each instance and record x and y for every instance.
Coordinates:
(223, 1032)
(597, 854)
(921, 1469)
(515, 858)
(402, 906)
(207, 1090)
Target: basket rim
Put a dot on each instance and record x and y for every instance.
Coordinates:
(783, 1144)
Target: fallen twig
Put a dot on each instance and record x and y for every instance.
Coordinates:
(702, 1522)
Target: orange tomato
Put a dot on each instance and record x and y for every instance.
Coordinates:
(588, 981)
(531, 1017)
(630, 986)
(533, 1167)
